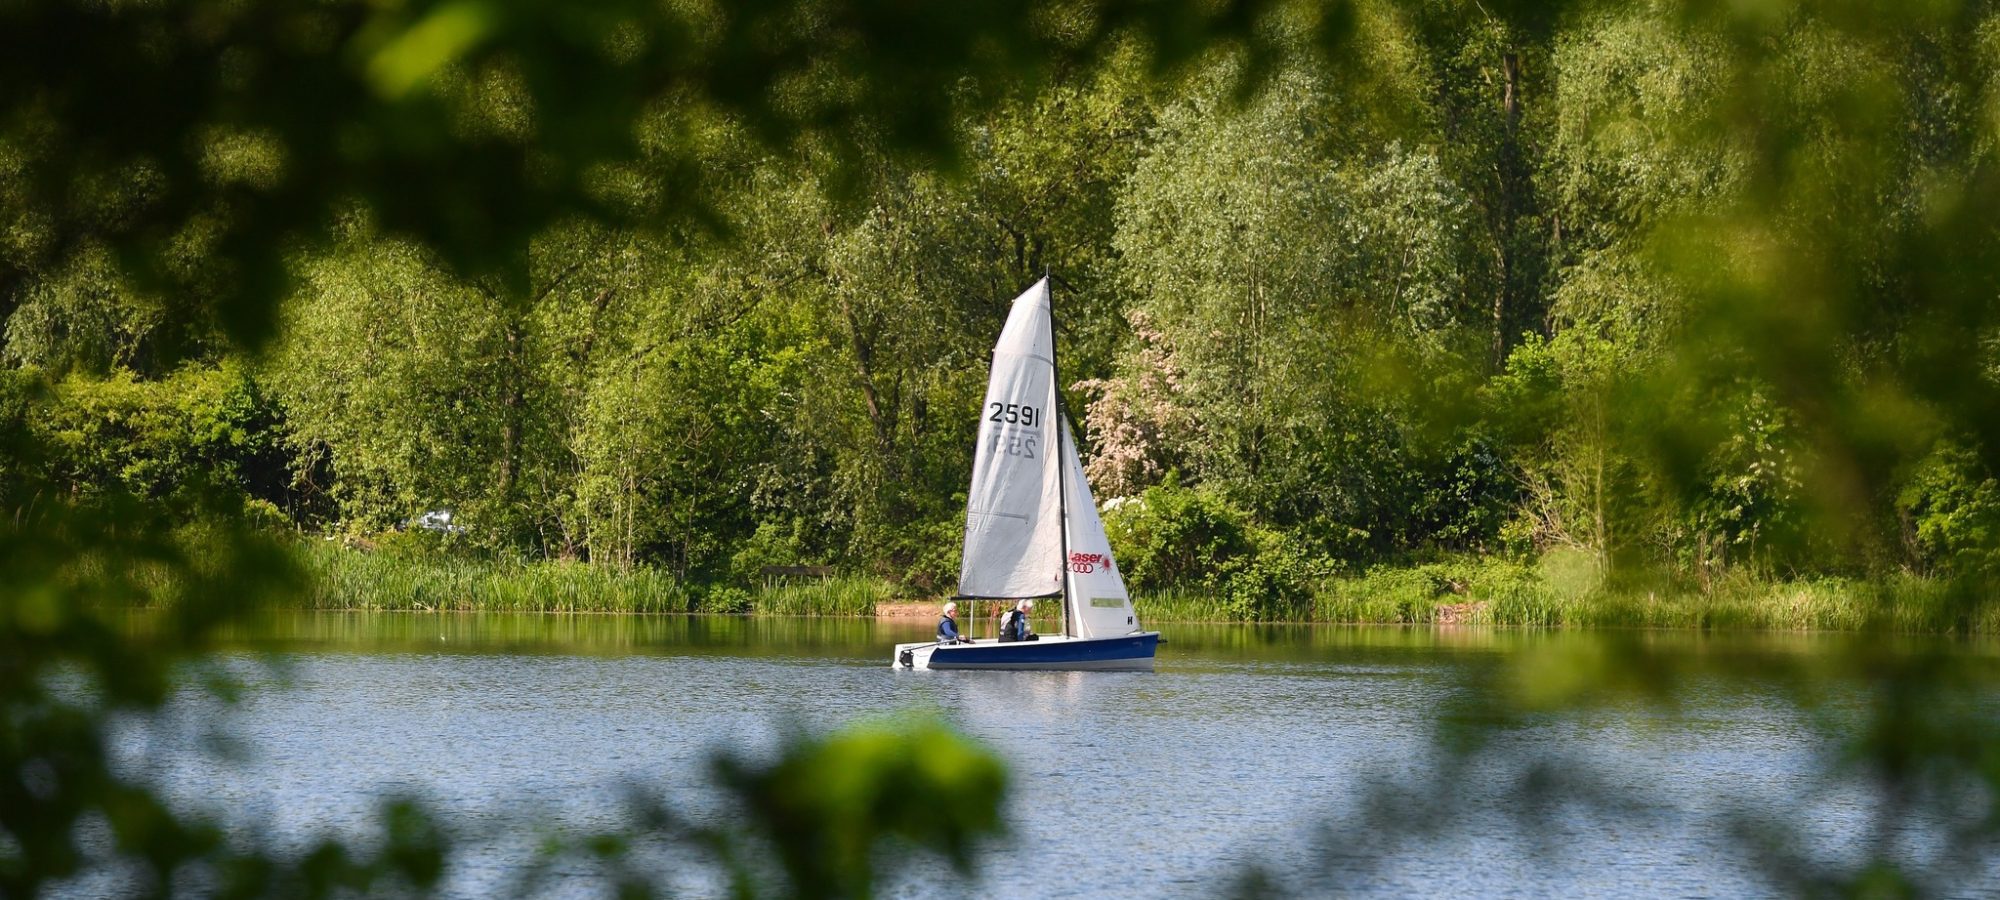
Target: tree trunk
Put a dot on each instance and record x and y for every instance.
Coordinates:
(880, 417)
(510, 402)
(1512, 202)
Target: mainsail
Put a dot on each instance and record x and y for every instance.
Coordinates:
(1013, 519)
(1099, 605)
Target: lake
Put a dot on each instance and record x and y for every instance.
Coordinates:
(1249, 747)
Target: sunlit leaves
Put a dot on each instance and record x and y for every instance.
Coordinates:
(471, 125)
(831, 804)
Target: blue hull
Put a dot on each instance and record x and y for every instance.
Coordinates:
(1126, 652)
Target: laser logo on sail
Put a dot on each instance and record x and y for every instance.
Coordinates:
(1086, 563)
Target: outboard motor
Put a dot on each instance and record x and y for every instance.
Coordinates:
(908, 659)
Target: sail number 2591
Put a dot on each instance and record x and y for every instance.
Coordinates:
(1013, 414)
(1014, 443)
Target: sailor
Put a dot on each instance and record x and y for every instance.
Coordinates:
(947, 632)
(1015, 626)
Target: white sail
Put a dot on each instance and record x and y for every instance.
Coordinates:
(1099, 605)
(1013, 541)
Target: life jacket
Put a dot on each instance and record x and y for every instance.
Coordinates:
(1013, 626)
(947, 629)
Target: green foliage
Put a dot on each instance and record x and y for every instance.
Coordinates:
(1565, 589)
(1170, 535)
(69, 572)
(1428, 294)
(1273, 583)
(410, 571)
(1562, 401)
(1749, 509)
(20, 454)
(86, 317)
(724, 599)
(829, 815)
(837, 596)
(196, 431)
(1953, 503)
(1265, 247)
(827, 807)
(214, 155)
(416, 577)
(930, 554)
(1174, 537)
(772, 544)
(1690, 306)
(672, 480)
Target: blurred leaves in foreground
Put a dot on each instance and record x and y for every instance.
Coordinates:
(201, 142)
(1679, 288)
(830, 816)
(825, 816)
(161, 168)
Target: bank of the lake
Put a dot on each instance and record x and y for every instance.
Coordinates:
(1554, 592)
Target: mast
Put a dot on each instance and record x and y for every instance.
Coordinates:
(1062, 462)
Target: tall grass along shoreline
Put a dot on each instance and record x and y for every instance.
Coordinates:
(344, 578)
(1494, 592)
(1470, 591)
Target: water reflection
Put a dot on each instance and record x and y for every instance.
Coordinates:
(586, 633)
(1244, 742)
(869, 638)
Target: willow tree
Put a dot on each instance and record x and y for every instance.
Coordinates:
(1285, 257)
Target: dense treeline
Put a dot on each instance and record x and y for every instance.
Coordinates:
(1677, 296)
(1590, 296)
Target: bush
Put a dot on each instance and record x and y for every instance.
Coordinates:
(19, 391)
(1174, 536)
(1274, 582)
(929, 554)
(1953, 504)
(198, 430)
(774, 544)
(1385, 594)
(724, 599)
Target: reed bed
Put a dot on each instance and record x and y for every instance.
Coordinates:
(1555, 592)
(1558, 593)
(1501, 593)
(343, 578)
(340, 578)
(1180, 605)
(841, 596)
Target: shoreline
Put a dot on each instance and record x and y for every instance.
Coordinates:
(1469, 591)
(905, 612)
(905, 609)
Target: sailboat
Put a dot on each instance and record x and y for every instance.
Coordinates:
(1031, 526)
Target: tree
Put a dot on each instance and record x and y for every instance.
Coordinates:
(1285, 261)
(206, 147)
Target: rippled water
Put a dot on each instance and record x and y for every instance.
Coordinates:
(1249, 747)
